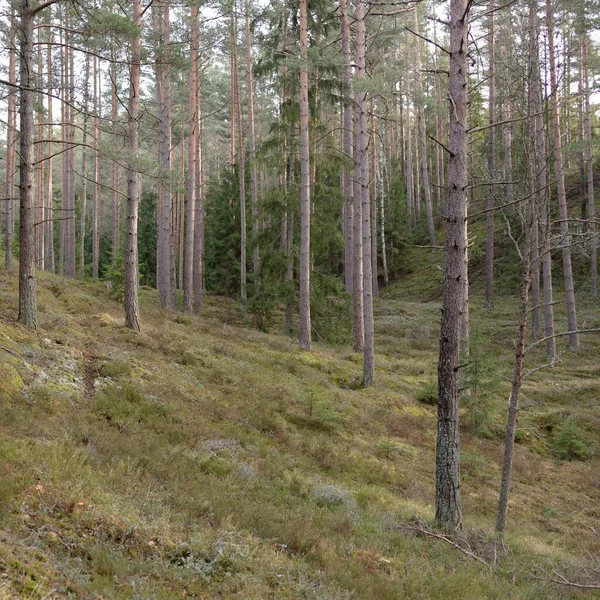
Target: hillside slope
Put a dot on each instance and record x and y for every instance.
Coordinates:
(204, 459)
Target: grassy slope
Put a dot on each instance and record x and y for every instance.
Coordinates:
(204, 459)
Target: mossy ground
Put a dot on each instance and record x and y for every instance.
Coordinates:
(202, 458)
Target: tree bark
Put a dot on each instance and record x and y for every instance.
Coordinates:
(448, 513)
(535, 88)
(251, 154)
(190, 219)
(513, 404)
(11, 143)
(373, 190)
(49, 216)
(116, 201)
(560, 184)
(590, 175)
(132, 317)
(304, 331)
(423, 136)
(96, 177)
(27, 287)
(164, 249)
(491, 156)
(86, 103)
(347, 128)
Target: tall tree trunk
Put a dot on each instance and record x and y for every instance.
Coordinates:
(251, 153)
(410, 197)
(382, 221)
(347, 127)
(560, 184)
(116, 201)
(198, 268)
(132, 317)
(590, 174)
(71, 246)
(86, 104)
(41, 205)
(423, 136)
(164, 250)
(373, 191)
(304, 332)
(491, 156)
(448, 511)
(241, 164)
(11, 143)
(96, 177)
(27, 290)
(542, 169)
(190, 219)
(361, 171)
(49, 216)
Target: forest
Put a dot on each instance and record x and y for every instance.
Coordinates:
(299, 299)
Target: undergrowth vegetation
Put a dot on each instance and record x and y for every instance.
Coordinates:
(203, 458)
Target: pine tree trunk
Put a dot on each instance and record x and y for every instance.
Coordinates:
(27, 288)
(86, 103)
(116, 201)
(361, 171)
(590, 175)
(410, 198)
(448, 511)
(96, 177)
(190, 219)
(251, 154)
(491, 156)
(11, 143)
(560, 184)
(49, 216)
(304, 332)
(544, 202)
(373, 190)
(41, 205)
(347, 127)
(132, 318)
(198, 267)
(423, 136)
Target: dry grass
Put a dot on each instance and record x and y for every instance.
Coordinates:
(201, 458)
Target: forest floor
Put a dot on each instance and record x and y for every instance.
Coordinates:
(202, 458)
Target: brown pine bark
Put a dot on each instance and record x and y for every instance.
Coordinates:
(49, 215)
(448, 510)
(560, 184)
(116, 200)
(251, 153)
(96, 175)
(590, 174)
(198, 268)
(41, 189)
(27, 287)
(347, 127)
(11, 143)
(241, 155)
(132, 316)
(373, 191)
(304, 329)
